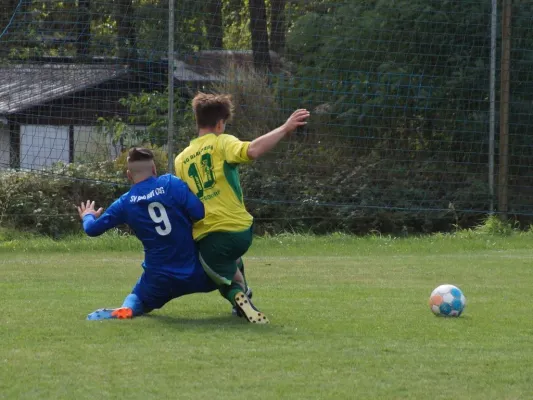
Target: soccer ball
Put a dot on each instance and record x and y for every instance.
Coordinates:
(447, 301)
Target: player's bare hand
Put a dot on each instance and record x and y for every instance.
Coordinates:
(88, 209)
(298, 118)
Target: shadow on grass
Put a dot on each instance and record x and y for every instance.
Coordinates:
(210, 323)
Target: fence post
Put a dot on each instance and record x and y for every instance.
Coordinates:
(170, 141)
(492, 97)
(503, 180)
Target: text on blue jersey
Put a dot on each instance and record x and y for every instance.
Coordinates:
(160, 211)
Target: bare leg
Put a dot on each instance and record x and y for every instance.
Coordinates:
(239, 279)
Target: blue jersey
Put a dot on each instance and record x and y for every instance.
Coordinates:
(160, 211)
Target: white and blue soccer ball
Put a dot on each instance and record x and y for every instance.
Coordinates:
(447, 301)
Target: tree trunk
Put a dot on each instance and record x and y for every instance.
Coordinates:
(258, 29)
(213, 23)
(83, 27)
(127, 43)
(277, 25)
(7, 8)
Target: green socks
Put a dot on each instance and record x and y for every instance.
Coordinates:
(229, 291)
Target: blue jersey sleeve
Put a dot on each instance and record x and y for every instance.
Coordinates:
(111, 218)
(185, 199)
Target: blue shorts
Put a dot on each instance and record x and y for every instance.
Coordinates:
(156, 288)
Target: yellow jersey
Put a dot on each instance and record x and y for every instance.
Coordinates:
(209, 166)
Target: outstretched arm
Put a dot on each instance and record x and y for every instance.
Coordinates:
(94, 223)
(267, 142)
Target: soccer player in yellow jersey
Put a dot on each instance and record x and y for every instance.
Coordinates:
(209, 166)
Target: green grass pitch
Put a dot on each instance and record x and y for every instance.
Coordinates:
(349, 320)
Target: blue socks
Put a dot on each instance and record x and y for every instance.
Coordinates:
(133, 302)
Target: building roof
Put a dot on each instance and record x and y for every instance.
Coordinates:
(24, 86)
(189, 73)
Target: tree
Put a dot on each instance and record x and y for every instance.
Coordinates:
(277, 25)
(213, 24)
(83, 27)
(387, 82)
(7, 8)
(258, 29)
(236, 25)
(127, 43)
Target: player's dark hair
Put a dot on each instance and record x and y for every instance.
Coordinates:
(140, 154)
(211, 108)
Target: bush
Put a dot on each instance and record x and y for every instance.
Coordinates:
(257, 110)
(312, 194)
(160, 160)
(320, 182)
(309, 194)
(324, 181)
(44, 202)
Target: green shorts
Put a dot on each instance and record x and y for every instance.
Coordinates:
(219, 252)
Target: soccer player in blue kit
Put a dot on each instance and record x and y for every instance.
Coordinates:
(160, 211)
